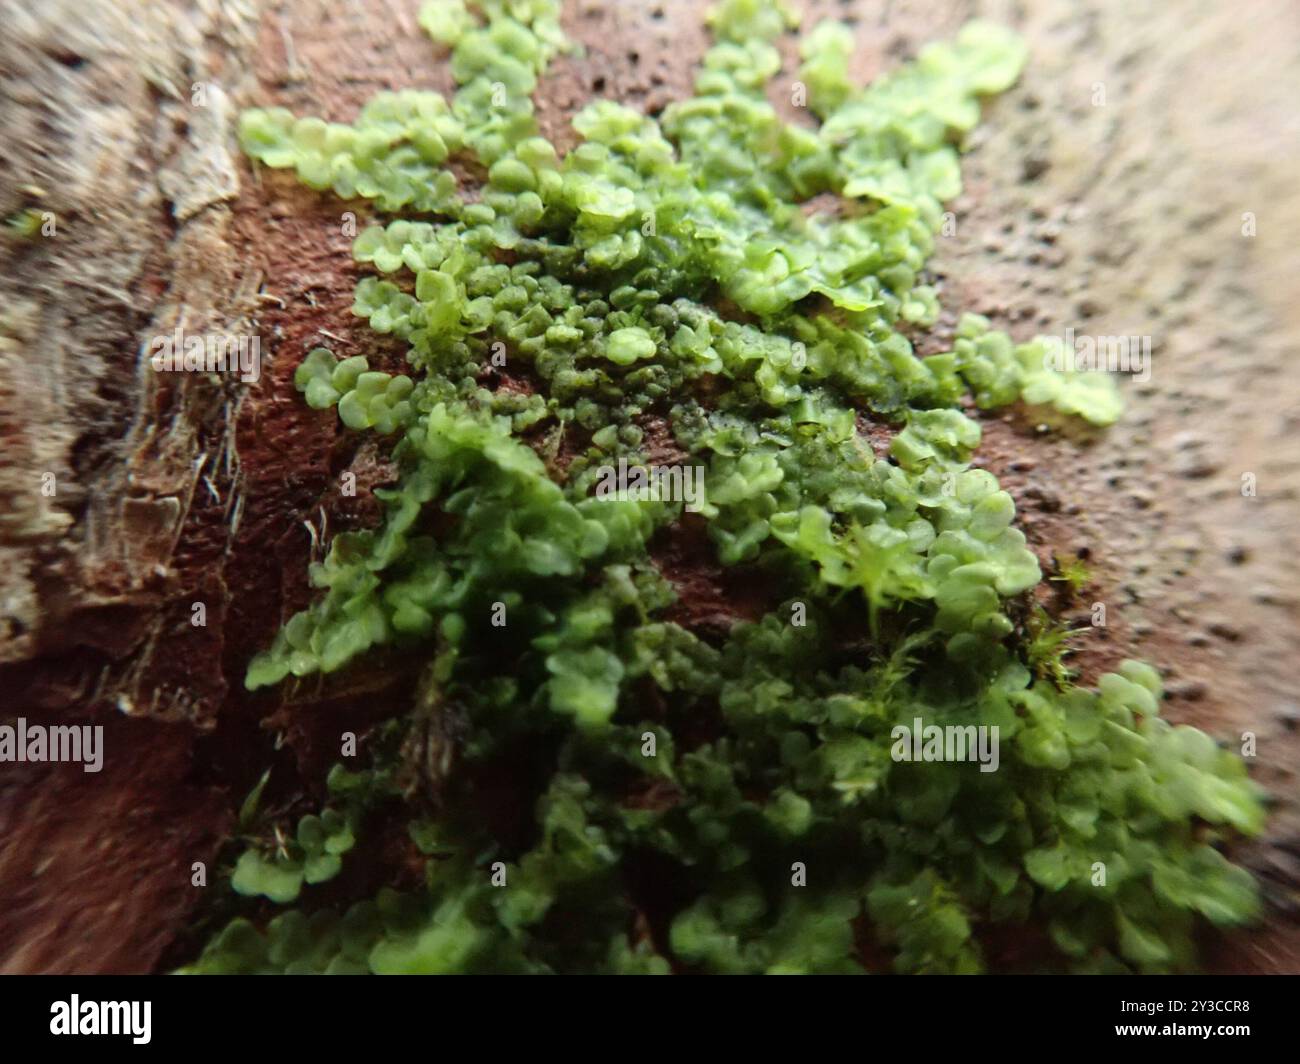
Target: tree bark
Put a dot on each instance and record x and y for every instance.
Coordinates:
(1107, 192)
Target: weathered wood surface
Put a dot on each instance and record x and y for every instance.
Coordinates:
(1119, 217)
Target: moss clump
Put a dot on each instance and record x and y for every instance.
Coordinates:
(732, 807)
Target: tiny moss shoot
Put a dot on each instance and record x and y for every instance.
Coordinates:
(726, 806)
(24, 224)
(1072, 571)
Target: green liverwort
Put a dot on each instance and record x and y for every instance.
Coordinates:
(730, 803)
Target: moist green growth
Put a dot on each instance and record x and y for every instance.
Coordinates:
(751, 284)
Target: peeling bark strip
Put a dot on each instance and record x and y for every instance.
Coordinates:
(106, 138)
(108, 469)
(126, 497)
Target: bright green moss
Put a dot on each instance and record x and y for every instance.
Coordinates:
(25, 224)
(654, 264)
(365, 399)
(1000, 372)
(317, 856)
(625, 346)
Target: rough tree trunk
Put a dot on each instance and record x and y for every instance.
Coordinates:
(1119, 216)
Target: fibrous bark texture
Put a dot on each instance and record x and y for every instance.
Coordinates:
(1138, 180)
